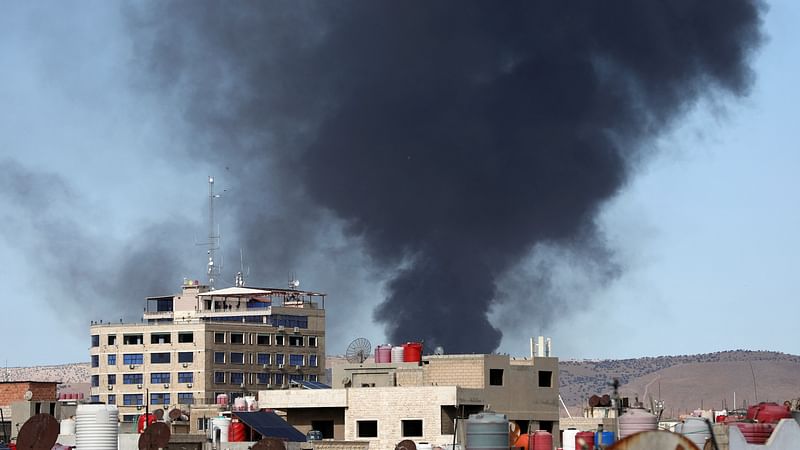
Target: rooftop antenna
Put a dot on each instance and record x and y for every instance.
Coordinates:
(294, 283)
(241, 273)
(213, 238)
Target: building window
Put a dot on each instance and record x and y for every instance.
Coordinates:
(112, 339)
(133, 358)
(159, 398)
(279, 339)
(279, 379)
(160, 338)
(545, 378)
(185, 338)
(262, 339)
(185, 377)
(132, 399)
(94, 398)
(296, 360)
(412, 428)
(130, 417)
(219, 357)
(237, 358)
(112, 360)
(159, 358)
(95, 360)
(312, 377)
(262, 358)
(112, 379)
(296, 341)
(312, 360)
(132, 378)
(237, 378)
(237, 338)
(219, 377)
(367, 428)
(495, 377)
(219, 338)
(112, 399)
(132, 339)
(312, 341)
(185, 398)
(185, 357)
(159, 377)
(95, 340)
(262, 378)
(279, 357)
(95, 380)
(297, 377)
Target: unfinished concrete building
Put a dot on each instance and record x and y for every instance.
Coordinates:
(384, 403)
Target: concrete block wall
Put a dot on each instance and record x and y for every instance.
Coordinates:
(465, 371)
(412, 403)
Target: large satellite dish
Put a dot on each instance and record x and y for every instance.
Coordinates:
(358, 351)
(40, 432)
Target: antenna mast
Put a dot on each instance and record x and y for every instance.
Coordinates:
(213, 238)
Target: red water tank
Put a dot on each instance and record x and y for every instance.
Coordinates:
(584, 440)
(412, 352)
(768, 412)
(236, 432)
(542, 440)
(755, 433)
(151, 418)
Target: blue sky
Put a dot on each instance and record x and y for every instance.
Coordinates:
(705, 232)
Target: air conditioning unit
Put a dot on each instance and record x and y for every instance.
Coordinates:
(132, 366)
(296, 367)
(269, 386)
(185, 365)
(280, 328)
(280, 366)
(166, 385)
(139, 386)
(296, 329)
(188, 385)
(265, 366)
(110, 387)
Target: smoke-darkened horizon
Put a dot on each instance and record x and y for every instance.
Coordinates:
(451, 138)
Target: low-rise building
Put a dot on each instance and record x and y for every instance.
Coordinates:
(426, 401)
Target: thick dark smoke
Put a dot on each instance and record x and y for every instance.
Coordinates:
(451, 137)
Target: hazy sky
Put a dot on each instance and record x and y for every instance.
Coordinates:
(704, 233)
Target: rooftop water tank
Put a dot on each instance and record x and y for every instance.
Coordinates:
(568, 438)
(219, 429)
(383, 353)
(487, 431)
(412, 352)
(755, 433)
(635, 420)
(542, 440)
(67, 426)
(695, 429)
(397, 354)
(584, 440)
(96, 426)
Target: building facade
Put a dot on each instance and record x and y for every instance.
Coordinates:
(384, 403)
(191, 348)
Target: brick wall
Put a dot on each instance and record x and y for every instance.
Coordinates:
(15, 391)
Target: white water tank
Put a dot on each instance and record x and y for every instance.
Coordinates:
(219, 425)
(96, 426)
(67, 427)
(424, 446)
(239, 404)
(397, 354)
(252, 404)
(568, 439)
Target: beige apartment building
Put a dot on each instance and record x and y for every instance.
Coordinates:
(192, 347)
(384, 403)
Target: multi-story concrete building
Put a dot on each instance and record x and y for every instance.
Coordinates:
(194, 346)
(384, 403)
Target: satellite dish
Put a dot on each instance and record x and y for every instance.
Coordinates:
(28, 395)
(358, 351)
(156, 436)
(40, 432)
(406, 444)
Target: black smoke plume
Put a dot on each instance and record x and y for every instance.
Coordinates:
(451, 137)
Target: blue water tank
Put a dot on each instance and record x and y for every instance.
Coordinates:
(487, 431)
(603, 438)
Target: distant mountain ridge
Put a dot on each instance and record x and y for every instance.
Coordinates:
(687, 382)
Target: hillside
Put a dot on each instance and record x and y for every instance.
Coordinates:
(687, 382)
